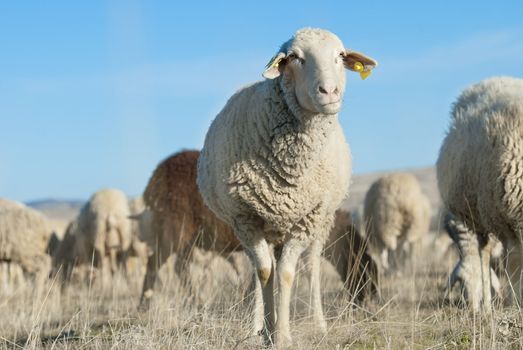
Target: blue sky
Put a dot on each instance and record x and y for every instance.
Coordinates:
(95, 93)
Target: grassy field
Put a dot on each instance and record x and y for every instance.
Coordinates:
(214, 315)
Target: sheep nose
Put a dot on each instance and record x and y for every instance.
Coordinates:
(328, 89)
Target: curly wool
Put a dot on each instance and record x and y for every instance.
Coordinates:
(396, 210)
(278, 167)
(24, 236)
(480, 165)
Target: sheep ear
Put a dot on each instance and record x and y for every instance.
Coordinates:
(272, 69)
(358, 62)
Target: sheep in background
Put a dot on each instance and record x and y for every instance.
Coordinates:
(176, 220)
(276, 166)
(396, 215)
(24, 240)
(480, 179)
(138, 251)
(101, 231)
(9, 204)
(346, 249)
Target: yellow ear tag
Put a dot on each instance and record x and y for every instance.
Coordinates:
(360, 68)
(365, 74)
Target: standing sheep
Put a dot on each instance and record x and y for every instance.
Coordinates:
(276, 166)
(101, 230)
(176, 219)
(396, 213)
(24, 238)
(174, 189)
(480, 177)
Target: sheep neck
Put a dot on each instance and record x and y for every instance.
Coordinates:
(298, 137)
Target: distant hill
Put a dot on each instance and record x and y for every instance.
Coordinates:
(57, 208)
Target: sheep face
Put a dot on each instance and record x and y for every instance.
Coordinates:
(312, 63)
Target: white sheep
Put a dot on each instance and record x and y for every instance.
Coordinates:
(24, 238)
(396, 215)
(101, 230)
(480, 176)
(138, 251)
(276, 166)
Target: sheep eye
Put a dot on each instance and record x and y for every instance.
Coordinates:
(294, 57)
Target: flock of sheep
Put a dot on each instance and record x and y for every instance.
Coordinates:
(269, 181)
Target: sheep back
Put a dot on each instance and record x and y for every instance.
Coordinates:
(24, 236)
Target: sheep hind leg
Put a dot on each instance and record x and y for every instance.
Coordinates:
(453, 278)
(292, 250)
(486, 283)
(154, 262)
(314, 265)
(113, 261)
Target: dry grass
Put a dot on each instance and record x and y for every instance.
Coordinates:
(411, 316)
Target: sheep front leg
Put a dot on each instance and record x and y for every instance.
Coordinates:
(261, 258)
(472, 278)
(314, 264)
(486, 283)
(292, 250)
(255, 290)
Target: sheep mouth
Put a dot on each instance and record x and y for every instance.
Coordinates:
(330, 108)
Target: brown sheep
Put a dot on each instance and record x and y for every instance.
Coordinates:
(179, 220)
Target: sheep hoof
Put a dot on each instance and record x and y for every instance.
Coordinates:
(282, 339)
(267, 337)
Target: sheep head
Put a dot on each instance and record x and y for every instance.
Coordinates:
(312, 62)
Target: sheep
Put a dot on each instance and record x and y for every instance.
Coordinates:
(275, 164)
(347, 251)
(24, 239)
(396, 214)
(176, 220)
(101, 230)
(480, 179)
